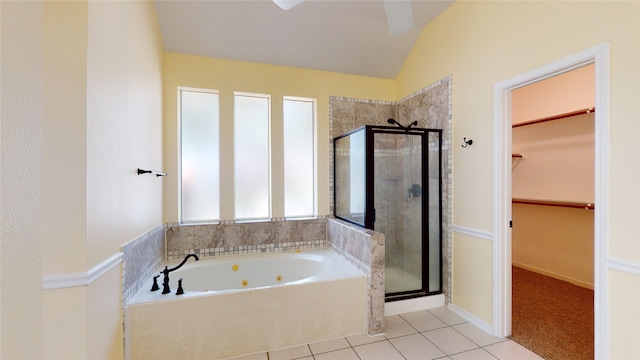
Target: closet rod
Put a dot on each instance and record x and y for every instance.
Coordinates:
(556, 117)
(575, 205)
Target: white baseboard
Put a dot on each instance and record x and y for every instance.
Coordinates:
(554, 275)
(415, 304)
(472, 319)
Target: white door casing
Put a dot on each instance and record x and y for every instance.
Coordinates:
(599, 55)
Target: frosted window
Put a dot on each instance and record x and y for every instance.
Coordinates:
(299, 146)
(251, 134)
(199, 173)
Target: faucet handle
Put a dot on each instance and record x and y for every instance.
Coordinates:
(179, 291)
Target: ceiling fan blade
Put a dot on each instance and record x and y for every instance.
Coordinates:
(287, 4)
(399, 16)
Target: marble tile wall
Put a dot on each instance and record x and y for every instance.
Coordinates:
(431, 107)
(364, 249)
(244, 238)
(140, 257)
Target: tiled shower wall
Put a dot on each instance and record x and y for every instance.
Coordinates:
(244, 238)
(431, 107)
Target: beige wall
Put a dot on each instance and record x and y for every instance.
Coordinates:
(558, 160)
(558, 165)
(483, 43)
(478, 43)
(228, 76)
(560, 94)
(64, 103)
(20, 180)
(554, 241)
(81, 110)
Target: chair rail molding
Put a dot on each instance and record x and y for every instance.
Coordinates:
(58, 281)
(628, 266)
(482, 234)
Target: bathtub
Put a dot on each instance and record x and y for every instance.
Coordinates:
(234, 305)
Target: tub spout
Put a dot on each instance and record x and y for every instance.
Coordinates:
(166, 271)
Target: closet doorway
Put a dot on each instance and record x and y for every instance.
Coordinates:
(502, 197)
(553, 164)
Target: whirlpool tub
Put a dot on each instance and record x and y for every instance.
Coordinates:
(234, 305)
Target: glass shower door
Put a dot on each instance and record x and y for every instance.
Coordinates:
(389, 180)
(398, 201)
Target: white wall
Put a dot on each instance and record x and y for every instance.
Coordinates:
(81, 110)
(124, 124)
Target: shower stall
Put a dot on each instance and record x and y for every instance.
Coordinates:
(388, 179)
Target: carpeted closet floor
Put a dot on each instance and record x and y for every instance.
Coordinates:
(552, 318)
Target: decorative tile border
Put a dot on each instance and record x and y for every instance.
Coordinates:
(247, 249)
(359, 264)
(245, 238)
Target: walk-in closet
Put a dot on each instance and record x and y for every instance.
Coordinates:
(552, 212)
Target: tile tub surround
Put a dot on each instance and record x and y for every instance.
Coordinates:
(432, 108)
(140, 258)
(364, 249)
(244, 238)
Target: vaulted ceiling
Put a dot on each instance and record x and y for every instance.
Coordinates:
(349, 37)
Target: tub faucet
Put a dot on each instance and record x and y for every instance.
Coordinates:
(166, 271)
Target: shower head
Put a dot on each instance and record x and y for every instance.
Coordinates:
(392, 121)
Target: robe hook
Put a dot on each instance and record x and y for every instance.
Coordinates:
(467, 142)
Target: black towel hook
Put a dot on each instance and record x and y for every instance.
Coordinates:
(156, 173)
(467, 142)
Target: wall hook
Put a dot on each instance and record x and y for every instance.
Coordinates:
(467, 142)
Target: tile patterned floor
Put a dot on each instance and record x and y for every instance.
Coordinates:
(434, 334)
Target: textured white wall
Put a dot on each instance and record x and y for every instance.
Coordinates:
(124, 125)
(20, 179)
(64, 140)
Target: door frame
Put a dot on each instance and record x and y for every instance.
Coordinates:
(598, 55)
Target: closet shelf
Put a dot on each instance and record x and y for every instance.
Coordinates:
(575, 205)
(556, 117)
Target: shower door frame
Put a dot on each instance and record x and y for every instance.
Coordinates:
(369, 213)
